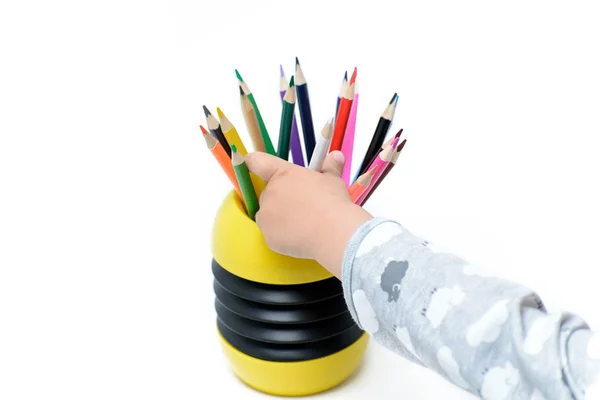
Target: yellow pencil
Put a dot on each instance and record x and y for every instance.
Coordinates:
(231, 133)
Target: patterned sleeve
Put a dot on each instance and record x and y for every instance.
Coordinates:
(493, 338)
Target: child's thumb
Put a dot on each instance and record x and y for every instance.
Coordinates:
(334, 163)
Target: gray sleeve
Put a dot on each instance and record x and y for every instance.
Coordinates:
(491, 337)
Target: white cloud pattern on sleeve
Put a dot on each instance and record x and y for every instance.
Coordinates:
(404, 338)
(450, 367)
(378, 236)
(593, 347)
(442, 301)
(365, 313)
(500, 382)
(488, 327)
(539, 333)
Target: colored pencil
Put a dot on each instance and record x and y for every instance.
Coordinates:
(215, 128)
(251, 122)
(348, 144)
(231, 134)
(261, 124)
(383, 125)
(306, 119)
(222, 158)
(245, 181)
(343, 113)
(381, 162)
(287, 116)
(358, 188)
(343, 88)
(386, 172)
(295, 144)
(322, 148)
(383, 146)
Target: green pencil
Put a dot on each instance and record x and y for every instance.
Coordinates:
(287, 116)
(243, 177)
(261, 124)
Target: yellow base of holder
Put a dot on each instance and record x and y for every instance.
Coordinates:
(239, 247)
(300, 378)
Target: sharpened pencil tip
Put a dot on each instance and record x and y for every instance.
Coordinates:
(297, 62)
(237, 73)
(233, 148)
(241, 90)
(401, 146)
(353, 77)
(397, 135)
(203, 129)
(292, 81)
(346, 76)
(206, 111)
(393, 98)
(220, 113)
(281, 73)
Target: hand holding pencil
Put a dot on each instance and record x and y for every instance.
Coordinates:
(321, 150)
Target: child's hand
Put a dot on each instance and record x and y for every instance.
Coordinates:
(304, 213)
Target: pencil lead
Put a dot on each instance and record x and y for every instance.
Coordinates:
(346, 76)
(400, 146)
(292, 81)
(397, 135)
(397, 97)
(204, 131)
(238, 76)
(206, 112)
(353, 77)
(393, 98)
(233, 148)
(241, 90)
(297, 62)
(281, 73)
(220, 113)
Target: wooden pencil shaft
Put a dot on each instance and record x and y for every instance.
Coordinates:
(261, 124)
(321, 149)
(285, 130)
(381, 130)
(306, 120)
(387, 170)
(245, 181)
(342, 119)
(252, 124)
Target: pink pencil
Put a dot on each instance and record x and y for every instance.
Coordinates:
(348, 143)
(381, 161)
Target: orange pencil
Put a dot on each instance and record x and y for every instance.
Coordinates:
(360, 186)
(222, 158)
(342, 116)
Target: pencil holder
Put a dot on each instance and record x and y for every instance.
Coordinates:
(283, 322)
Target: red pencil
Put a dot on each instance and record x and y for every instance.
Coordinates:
(342, 116)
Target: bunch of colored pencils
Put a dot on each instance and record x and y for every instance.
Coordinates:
(308, 149)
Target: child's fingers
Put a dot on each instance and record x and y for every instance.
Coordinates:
(265, 165)
(334, 163)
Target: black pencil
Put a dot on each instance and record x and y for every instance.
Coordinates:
(385, 120)
(306, 119)
(215, 128)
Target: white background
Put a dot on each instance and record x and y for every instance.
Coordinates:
(108, 193)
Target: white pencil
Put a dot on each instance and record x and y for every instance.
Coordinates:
(322, 148)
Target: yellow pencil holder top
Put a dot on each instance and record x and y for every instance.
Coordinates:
(239, 247)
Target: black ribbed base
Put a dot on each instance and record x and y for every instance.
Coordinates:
(282, 322)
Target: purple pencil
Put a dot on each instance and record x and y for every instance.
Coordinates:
(295, 145)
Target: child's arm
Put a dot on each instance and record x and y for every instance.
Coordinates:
(488, 336)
